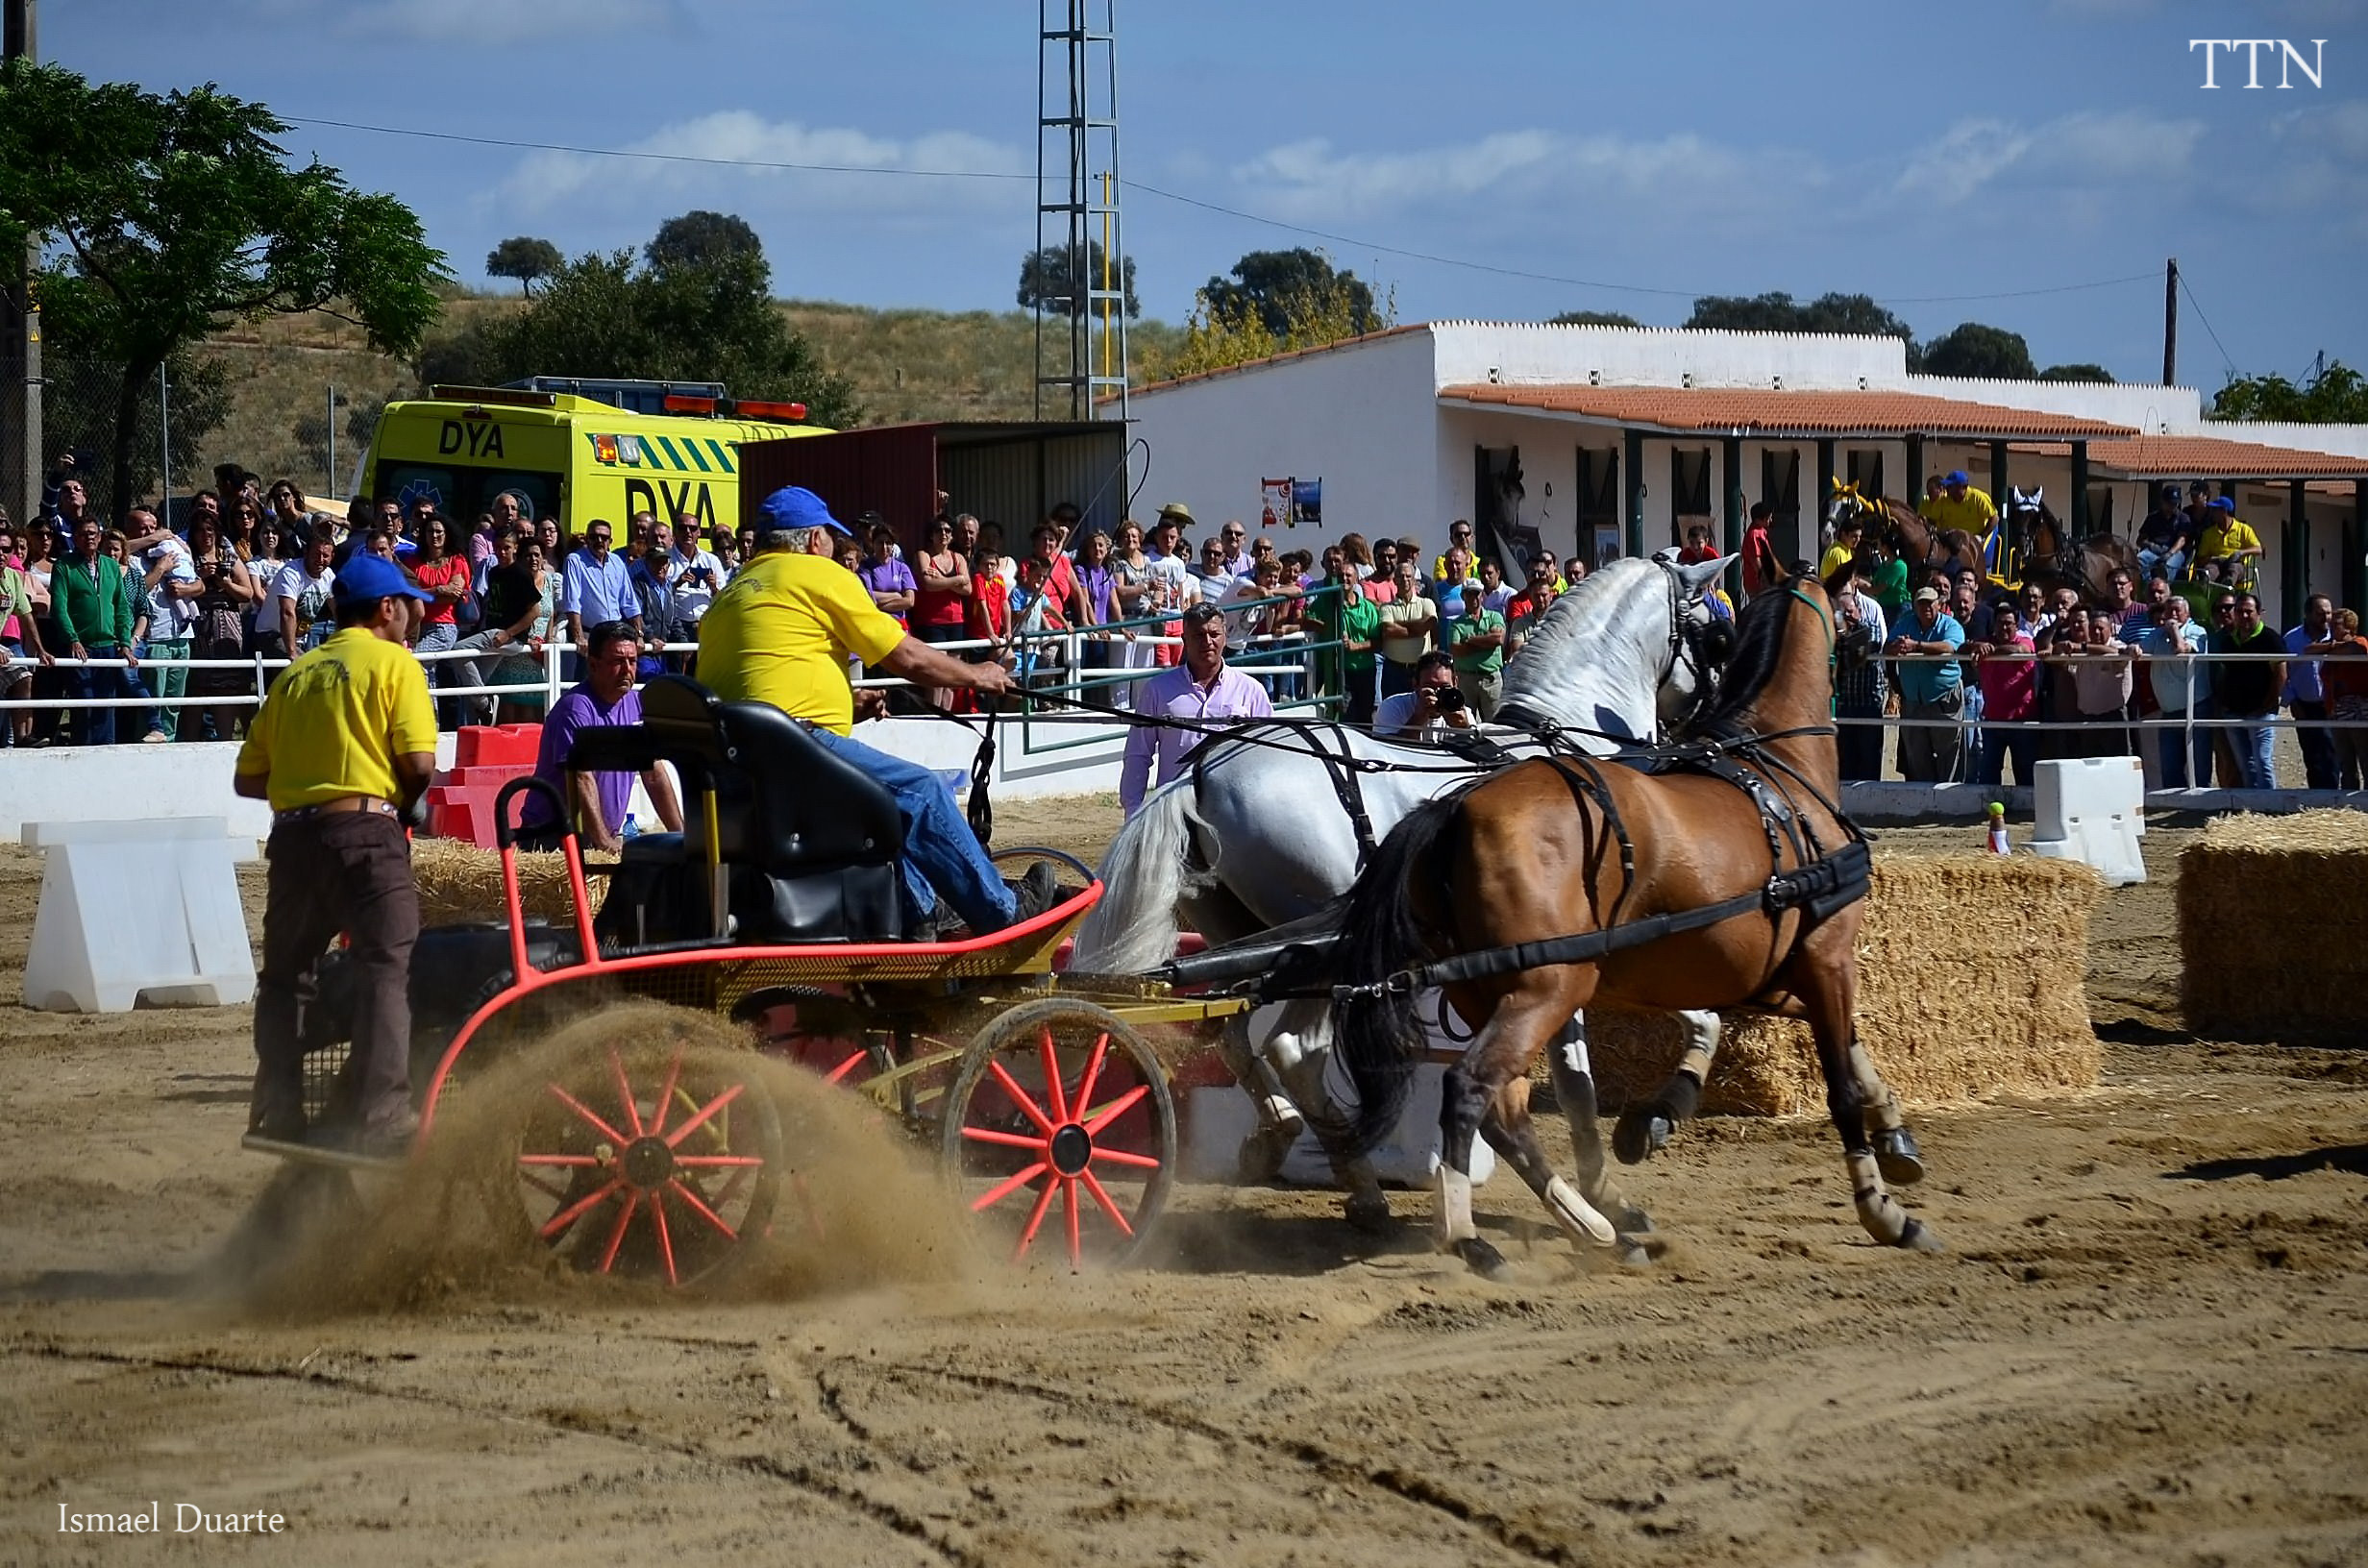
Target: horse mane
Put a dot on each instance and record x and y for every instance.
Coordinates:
(1759, 652)
(1573, 624)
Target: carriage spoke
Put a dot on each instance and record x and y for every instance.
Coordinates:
(591, 1117)
(1016, 1141)
(718, 1162)
(666, 1095)
(1035, 1218)
(1117, 1108)
(674, 1139)
(1010, 1185)
(616, 1235)
(1125, 1157)
(580, 1162)
(550, 1189)
(625, 1092)
(665, 1242)
(1051, 1060)
(1021, 1097)
(1093, 1071)
(1103, 1197)
(576, 1211)
(839, 1073)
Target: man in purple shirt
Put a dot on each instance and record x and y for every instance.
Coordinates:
(1200, 689)
(597, 801)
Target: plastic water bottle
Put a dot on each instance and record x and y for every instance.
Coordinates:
(1995, 838)
(632, 829)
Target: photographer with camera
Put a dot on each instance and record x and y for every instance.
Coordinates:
(1435, 700)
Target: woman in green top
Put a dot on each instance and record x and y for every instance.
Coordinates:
(1889, 586)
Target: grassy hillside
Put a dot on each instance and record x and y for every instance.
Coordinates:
(908, 364)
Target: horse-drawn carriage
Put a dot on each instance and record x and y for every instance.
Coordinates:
(779, 908)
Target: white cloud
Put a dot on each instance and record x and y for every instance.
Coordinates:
(2077, 150)
(485, 22)
(730, 137)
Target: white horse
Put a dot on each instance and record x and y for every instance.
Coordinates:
(1258, 835)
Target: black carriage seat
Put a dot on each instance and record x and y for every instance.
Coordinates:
(812, 841)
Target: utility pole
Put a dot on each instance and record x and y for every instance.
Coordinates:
(20, 323)
(2170, 324)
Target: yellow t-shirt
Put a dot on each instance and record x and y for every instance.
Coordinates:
(1973, 514)
(2227, 539)
(781, 632)
(1836, 556)
(336, 720)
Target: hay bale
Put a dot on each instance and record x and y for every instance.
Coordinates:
(459, 882)
(2273, 927)
(1972, 974)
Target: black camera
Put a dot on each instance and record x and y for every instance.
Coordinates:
(1449, 700)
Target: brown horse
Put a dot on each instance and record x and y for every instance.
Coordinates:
(1735, 863)
(2052, 557)
(1897, 528)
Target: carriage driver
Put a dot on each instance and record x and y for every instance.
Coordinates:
(343, 747)
(782, 632)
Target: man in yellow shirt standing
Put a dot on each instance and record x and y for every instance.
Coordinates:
(783, 631)
(1962, 504)
(342, 750)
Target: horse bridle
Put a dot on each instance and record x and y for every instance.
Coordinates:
(1688, 644)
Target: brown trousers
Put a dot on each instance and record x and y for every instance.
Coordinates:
(348, 871)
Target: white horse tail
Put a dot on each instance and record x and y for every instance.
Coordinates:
(1134, 927)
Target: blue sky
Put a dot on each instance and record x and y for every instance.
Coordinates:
(1909, 151)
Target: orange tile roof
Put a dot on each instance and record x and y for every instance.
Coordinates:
(2180, 457)
(1753, 412)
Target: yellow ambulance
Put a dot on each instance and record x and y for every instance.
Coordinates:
(577, 450)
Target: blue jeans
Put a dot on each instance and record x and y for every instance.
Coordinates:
(2154, 563)
(96, 726)
(2253, 744)
(2173, 752)
(1999, 743)
(941, 853)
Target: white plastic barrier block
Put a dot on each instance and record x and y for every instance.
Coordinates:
(139, 911)
(2093, 810)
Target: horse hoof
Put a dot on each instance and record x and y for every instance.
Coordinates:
(1483, 1258)
(1919, 1237)
(1897, 1156)
(1260, 1159)
(1639, 1135)
(1368, 1213)
(1630, 1252)
(1632, 1221)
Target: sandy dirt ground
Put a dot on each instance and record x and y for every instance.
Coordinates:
(2147, 1343)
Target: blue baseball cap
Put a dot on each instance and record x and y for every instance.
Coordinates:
(1955, 476)
(364, 576)
(794, 506)
(2221, 503)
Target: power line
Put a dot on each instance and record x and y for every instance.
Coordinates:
(2227, 362)
(1346, 240)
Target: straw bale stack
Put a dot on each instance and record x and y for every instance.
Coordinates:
(1971, 982)
(458, 883)
(2273, 927)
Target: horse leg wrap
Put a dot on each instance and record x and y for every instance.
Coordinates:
(1879, 1212)
(1577, 1215)
(1451, 1209)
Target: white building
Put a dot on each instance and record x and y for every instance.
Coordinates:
(1620, 437)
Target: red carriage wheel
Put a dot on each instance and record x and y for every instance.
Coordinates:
(1060, 1131)
(656, 1160)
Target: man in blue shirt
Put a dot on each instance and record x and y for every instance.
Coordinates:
(2306, 696)
(1931, 690)
(2182, 685)
(595, 587)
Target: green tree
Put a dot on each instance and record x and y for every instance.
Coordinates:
(525, 259)
(1233, 331)
(81, 409)
(1045, 280)
(1973, 349)
(702, 238)
(2082, 372)
(165, 217)
(1270, 281)
(1780, 312)
(2337, 395)
(704, 318)
(1593, 318)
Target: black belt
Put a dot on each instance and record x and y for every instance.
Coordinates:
(306, 814)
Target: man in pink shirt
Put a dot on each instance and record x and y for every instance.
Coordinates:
(1198, 691)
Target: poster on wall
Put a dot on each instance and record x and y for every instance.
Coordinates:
(1273, 504)
(1306, 502)
(1607, 543)
(1503, 532)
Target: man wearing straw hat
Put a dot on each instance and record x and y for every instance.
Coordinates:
(342, 750)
